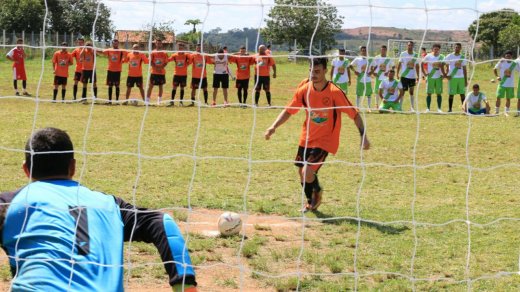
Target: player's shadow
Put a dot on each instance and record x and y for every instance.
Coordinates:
(387, 229)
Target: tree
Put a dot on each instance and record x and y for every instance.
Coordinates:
(491, 24)
(21, 15)
(286, 23)
(193, 22)
(508, 37)
(159, 30)
(79, 16)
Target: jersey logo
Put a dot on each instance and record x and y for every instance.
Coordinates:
(319, 117)
(243, 67)
(62, 62)
(198, 65)
(180, 64)
(114, 58)
(133, 63)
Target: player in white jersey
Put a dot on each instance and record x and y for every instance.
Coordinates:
(457, 75)
(221, 76)
(362, 68)
(505, 73)
(340, 72)
(433, 68)
(408, 71)
(391, 92)
(476, 102)
(381, 65)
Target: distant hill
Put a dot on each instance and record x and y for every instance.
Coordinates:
(385, 33)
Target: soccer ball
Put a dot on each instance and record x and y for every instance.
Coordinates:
(229, 223)
(492, 80)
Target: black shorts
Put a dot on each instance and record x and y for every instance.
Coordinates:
(113, 78)
(242, 83)
(157, 79)
(58, 80)
(179, 80)
(219, 79)
(314, 156)
(77, 76)
(407, 83)
(263, 81)
(134, 81)
(87, 76)
(195, 82)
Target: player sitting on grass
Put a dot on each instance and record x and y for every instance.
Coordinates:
(62, 236)
(324, 102)
(391, 92)
(474, 101)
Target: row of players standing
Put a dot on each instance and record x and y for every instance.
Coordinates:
(391, 83)
(85, 55)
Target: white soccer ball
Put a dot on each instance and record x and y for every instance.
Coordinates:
(229, 223)
(492, 80)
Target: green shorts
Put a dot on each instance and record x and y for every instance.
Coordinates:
(343, 87)
(364, 89)
(507, 92)
(456, 86)
(394, 105)
(434, 85)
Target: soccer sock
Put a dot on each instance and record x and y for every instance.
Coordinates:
(462, 98)
(117, 93)
(206, 96)
(369, 98)
(174, 92)
(75, 91)
(439, 101)
(84, 93)
(316, 184)
(95, 92)
(182, 94)
(15, 84)
(497, 110)
(257, 97)
(450, 103)
(63, 94)
(268, 95)
(24, 85)
(239, 95)
(428, 101)
(358, 101)
(506, 109)
(307, 187)
(412, 101)
(54, 94)
(245, 96)
(110, 93)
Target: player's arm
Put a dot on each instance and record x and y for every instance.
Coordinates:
(398, 69)
(10, 55)
(417, 70)
(358, 120)
(380, 92)
(274, 70)
(143, 225)
(331, 70)
(349, 76)
(465, 71)
(401, 94)
(423, 62)
(280, 120)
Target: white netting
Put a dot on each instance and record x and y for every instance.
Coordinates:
(203, 157)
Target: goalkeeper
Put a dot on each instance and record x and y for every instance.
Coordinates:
(324, 103)
(62, 236)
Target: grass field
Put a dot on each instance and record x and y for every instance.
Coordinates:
(392, 219)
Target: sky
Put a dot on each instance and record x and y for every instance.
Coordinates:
(232, 14)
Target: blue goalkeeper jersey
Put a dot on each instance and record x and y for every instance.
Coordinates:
(61, 236)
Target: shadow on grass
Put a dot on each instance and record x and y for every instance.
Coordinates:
(387, 229)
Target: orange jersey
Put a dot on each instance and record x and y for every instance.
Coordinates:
(62, 61)
(77, 57)
(158, 58)
(115, 59)
(88, 60)
(198, 65)
(263, 65)
(243, 66)
(325, 118)
(135, 64)
(182, 60)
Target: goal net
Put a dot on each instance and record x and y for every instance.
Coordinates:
(432, 205)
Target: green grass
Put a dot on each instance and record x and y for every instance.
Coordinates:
(384, 250)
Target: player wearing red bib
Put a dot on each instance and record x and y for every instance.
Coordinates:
(324, 102)
(17, 56)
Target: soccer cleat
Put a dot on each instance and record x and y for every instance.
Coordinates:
(439, 111)
(427, 111)
(170, 104)
(26, 94)
(316, 199)
(306, 208)
(182, 104)
(17, 94)
(191, 104)
(226, 104)
(213, 104)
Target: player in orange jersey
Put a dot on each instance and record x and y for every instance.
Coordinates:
(158, 60)
(17, 55)
(77, 72)
(115, 64)
(324, 102)
(135, 60)
(181, 60)
(88, 72)
(61, 61)
(198, 73)
(264, 63)
(244, 62)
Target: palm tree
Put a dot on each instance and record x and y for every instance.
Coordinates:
(193, 22)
